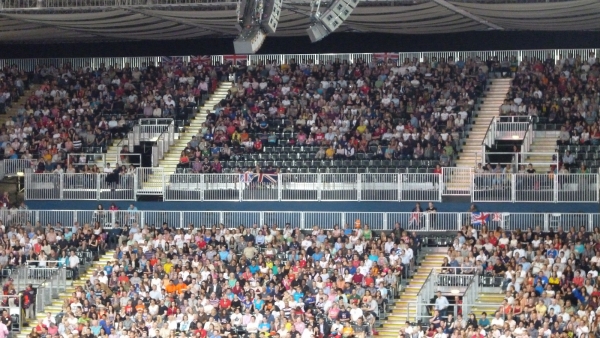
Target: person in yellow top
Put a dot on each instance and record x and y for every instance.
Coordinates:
(167, 267)
(347, 331)
(541, 307)
(235, 137)
(554, 281)
(330, 152)
(361, 129)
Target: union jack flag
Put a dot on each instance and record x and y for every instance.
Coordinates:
(385, 57)
(171, 60)
(235, 59)
(246, 177)
(200, 60)
(266, 178)
(496, 217)
(479, 218)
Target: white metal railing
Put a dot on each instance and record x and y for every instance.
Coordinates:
(444, 222)
(82, 159)
(521, 159)
(511, 130)
(150, 129)
(104, 186)
(482, 187)
(121, 62)
(550, 187)
(303, 187)
(426, 293)
(506, 128)
(164, 141)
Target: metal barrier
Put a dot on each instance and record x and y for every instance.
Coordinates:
(512, 127)
(82, 159)
(457, 181)
(556, 188)
(425, 294)
(43, 186)
(149, 129)
(164, 141)
(68, 186)
(420, 222)
(12, 167)
(150, 181)
(300, 187)
(420, 187)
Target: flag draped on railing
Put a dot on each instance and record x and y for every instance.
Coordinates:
(479, 218)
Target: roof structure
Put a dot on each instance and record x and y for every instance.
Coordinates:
(38, 21)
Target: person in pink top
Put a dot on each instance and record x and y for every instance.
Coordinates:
(3, 330)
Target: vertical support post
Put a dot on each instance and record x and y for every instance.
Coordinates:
(555, 187)
(385, 221)
(181, 222)
(358, 186)
(201, 187)
(302, 220)
(399, 187)
(319, 186)
(513, 188)
(61, 183)
(279, 187)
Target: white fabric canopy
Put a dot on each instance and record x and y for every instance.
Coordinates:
(419, 18)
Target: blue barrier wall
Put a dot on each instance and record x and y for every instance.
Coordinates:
(453, 206)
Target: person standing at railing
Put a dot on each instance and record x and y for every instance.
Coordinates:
(441, 304)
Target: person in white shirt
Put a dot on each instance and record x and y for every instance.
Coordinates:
(355, 312)
(441, 304)
(252, 326)
(74, 265)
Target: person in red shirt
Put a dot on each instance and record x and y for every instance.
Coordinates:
(224, 303)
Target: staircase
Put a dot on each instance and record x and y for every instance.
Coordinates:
(154, 182)
(57, 305)
(489, 108)
(12, 111)
(404, 308)
(171, 159)
(488, 303)
(543, 142)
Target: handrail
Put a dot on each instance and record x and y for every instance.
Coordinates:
(163, 143)
(425, 293)
(489, 139)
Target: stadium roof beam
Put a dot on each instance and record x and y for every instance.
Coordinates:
(176, 20)
(466, 14)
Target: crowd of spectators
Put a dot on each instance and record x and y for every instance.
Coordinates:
(564, 93)
(549, 279)
(248, 281)
(407, 110)
(80, 110)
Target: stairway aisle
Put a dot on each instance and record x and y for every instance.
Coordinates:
(488, 303)
(57, 304)
(399, 314)
(171, 159)
(543, 142)
(489, 108)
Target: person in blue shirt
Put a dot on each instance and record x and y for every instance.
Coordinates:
(317, 255)
(551, 253)
(258, 304)
(264, 326)
(540, 277)
(298, 294)
(224, 254)
(254, 268)
(373, 256)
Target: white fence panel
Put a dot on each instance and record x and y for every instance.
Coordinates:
(222, 187)
(200, 219)
(184, 187)
(58, 219)
(372, 220)
(299, 187)
(150, 181)
(259, 188)
(457, 181)
(339, 187)
(534, 188)
(420, 187)
(233, 219)
(12, 167)
(327, 220)
(117, 187)
(379, 187)
(577, 188)
(492, 187)
(80, 186)
(45, 186)
(424, 221)
(156, 219)
(279, 219)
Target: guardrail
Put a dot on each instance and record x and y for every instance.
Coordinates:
(483, 187)
(555, 188)
(378, 221)
(163, 143)
(121, 62)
